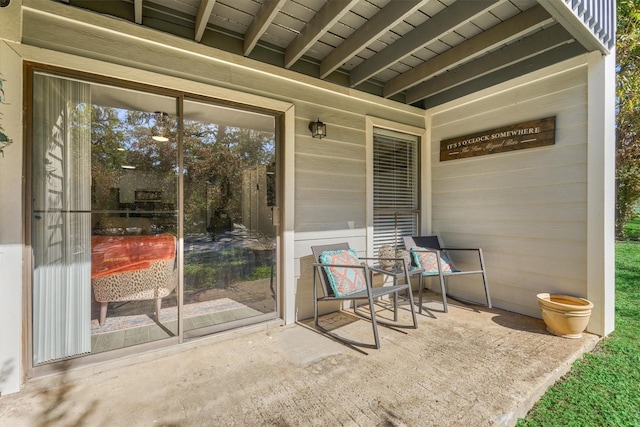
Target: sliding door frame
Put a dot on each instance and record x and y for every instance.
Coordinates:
(283, 110)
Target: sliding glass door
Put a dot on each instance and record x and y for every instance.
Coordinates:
(146, 210)
(229, 236)
(134, 217)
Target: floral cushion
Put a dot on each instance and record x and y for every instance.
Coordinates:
(343, 280)
(429, 263)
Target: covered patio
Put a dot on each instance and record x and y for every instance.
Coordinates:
(393, 81)
(472, 366)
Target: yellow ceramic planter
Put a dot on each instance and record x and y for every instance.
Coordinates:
(565, 315)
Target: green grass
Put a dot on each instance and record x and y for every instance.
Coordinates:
(632, 229)
(261, 272)
(219, 269)
(603, 388)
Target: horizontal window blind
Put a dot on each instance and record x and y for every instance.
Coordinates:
(395, 187)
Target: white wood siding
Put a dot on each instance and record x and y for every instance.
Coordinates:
(11, 231)
(330, 182)
(527, 209)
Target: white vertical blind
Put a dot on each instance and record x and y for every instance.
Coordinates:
(395, 187)
(61, 230)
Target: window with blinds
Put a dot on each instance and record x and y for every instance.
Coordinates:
(395, 187)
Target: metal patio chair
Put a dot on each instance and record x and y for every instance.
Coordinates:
(434, 259)
(343, 277)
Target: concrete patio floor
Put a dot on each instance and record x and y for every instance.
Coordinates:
(470, 367)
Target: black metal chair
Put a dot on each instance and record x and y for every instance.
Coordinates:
(356, 276)
(440, 264)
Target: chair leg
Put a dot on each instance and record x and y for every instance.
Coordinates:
(412, 305)
(315, 299)
(420, 284)
(443, 288)
(103, 312)
(395, 301)
(486, 289)
(484, 279)
(158, 307)
(374, 323)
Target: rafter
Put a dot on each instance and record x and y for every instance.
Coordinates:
(429, 31)
(536, 44)
(503, 33)
(204, 13)
(387, 18)
(553, 56)
(491, 52)
(263, 19)
(326, 18)
(137, 11)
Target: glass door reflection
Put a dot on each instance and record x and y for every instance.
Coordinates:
(134, 199)
(229, 237)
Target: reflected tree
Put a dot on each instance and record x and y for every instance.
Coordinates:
(215, 159)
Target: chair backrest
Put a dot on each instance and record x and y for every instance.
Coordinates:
(317, 251)
(422, 241)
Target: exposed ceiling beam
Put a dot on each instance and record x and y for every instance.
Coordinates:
(429, 31)
(521, 68)
(326, 18)
(137, 11)
(503, 33)
(264, 18)
(387, 18)
(528, 47)
(202, 19)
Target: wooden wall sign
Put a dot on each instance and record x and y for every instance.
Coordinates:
(535, 133)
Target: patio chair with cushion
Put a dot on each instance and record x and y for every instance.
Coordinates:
(434, 259)
(343, 276)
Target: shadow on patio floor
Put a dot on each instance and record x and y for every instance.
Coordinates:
(467, 367)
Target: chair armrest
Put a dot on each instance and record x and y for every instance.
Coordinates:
(380, 269)
(477, 250)
(377, 257)
(317, 270)
(382, 258)
(361, 266)
(430, 250)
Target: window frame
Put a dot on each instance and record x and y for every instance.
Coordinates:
(422, 180)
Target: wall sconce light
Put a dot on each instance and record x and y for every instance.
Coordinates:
(318, 129)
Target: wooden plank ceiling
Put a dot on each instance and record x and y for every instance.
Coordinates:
(420, 52)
